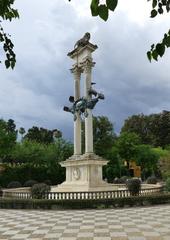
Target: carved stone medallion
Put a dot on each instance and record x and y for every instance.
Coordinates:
(76, 173)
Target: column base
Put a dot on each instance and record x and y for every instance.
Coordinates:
(83, 173)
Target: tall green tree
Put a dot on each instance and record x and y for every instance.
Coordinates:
(138, 124)
(42, 135)
(153, 129)
(30, 152)
(163, 137)
(8, 136)
(147, 158)
(127, 144)
(22, 132)
(40, 154)
(103, 135)
(115, 167)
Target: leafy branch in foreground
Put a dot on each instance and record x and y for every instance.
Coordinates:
(7, 13)
(158, 50)
(102, 10)
(158, 7)
(8, 48)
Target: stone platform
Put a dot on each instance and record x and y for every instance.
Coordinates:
(84, 173)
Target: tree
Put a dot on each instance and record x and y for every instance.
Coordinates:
(153, 129)
(164, 129)
(39, 161)
(7, 12)
(139, 125)
(127, 144)
(8, 135)
(22, 132)
(42, 135)
(30, 152)
(103, 134)
(147, 158)
(115, 167)
(101, 9)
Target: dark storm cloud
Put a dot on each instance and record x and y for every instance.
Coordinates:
(35, 93)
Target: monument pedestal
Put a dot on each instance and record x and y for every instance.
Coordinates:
(83, 174)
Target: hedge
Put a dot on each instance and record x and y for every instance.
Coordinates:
(11, 203)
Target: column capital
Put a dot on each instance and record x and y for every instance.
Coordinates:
(76, 70)
(87, 65)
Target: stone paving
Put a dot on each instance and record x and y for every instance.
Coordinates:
(144, 223)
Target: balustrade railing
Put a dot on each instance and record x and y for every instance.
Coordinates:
(83, 195)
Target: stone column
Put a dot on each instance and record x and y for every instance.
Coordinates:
(87, 65)
(77, 124)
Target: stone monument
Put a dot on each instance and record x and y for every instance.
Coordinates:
(83, 170)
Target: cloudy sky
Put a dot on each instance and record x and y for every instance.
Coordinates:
(35, 92)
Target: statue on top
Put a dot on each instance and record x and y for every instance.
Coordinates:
(83, 41)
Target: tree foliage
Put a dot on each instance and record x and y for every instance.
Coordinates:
(103, 135)
(7, 12)
(28, 159)
(153, 129)
(158, 50)
(147, 158)
(127, 144)
(42, 135)
(8, 135)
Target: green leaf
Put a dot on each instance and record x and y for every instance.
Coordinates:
(149, 55)
(111, 4)
(154, 3)
(152, 46)
(167, 41)
(155, 55)
(164, 2)
(103, 12)
(7, 63)
(160, 10)
(160, 48)
(13, 64)
(94, 7)
(153, 13)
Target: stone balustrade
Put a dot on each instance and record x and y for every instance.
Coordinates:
(84, 195)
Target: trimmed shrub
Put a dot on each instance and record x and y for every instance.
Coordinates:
(152, 180)
(121, 180)
(39, 190)
(14, 184)
(134, 186)
(30, 183)
(167, 186)
(48, 182)
(124, 179)
(117, 181)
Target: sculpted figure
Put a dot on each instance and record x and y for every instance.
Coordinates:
(83, 41)
(82, 104)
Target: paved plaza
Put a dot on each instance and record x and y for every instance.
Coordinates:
(145, 223)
